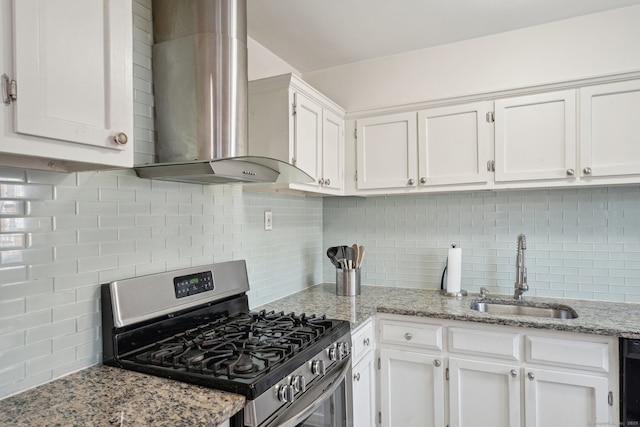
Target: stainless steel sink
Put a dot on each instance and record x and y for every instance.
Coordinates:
(554, 311)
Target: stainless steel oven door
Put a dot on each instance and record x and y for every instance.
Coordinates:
(327, 404)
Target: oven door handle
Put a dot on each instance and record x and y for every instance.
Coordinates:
(335, 380)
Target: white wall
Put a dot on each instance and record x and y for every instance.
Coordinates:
(264, 63)
(588, 46)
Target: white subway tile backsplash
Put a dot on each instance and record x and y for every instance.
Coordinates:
(50, 331)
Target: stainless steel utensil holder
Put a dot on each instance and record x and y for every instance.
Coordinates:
(348, 282)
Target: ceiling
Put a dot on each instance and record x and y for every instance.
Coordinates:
(316, 34)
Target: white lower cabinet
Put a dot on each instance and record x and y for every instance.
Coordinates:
(466, 374)
(364, 392)
(363, 375)
(412, 389)
(561, 399)
(483, 394)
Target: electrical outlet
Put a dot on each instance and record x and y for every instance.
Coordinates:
(268, 220)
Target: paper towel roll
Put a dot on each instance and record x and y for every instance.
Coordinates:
(454, 270)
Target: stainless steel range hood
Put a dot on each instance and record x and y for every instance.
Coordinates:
(200, 89)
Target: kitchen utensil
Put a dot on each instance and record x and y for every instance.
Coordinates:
(356, 254)
(360, 256)
(332, 253)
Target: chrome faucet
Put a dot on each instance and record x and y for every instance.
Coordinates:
(521, 271)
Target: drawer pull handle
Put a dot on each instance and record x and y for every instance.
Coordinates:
(531, 376)
(365, 341)
(408, 336)
(437, 363)
(514, 373)
(357, 376)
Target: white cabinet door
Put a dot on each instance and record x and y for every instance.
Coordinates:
(535, 137)
(484, 394)
(386, 150)
(308, 135)
(332, 150)
(560, 399)
(364, 392)
(454, 144)
(411, 389)
(73, 70)
(610, 129)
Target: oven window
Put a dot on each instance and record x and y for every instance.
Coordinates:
(332, 412)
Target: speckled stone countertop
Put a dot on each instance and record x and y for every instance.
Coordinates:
(103, 396)
(594, 317)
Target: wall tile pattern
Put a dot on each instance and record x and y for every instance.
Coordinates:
(61, 235)
(581, 243)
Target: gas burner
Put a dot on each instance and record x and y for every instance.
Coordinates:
(243, 365)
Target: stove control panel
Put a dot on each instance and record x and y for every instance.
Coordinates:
(193, 284)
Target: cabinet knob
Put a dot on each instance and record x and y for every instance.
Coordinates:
(365, 341)
(321, 181)
(357, 376)
(408, 336)
(586, 171)
(121, 138)
(531, 376)
(437, 363)
(423, 180)
(327, 182)
(514, 373)
(411, 181)
(570, 172)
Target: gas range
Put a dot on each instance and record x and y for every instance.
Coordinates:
(194, 325)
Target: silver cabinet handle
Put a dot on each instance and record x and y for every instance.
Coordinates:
(120, 138)
(357, 376)
(408, 336)
(423, 180)
(531, 376)
(514, 373)
(570, 172)
(321, 181)
(365, 341)
(587, 171)
(411, 181)
(437, 363)
(327, 181)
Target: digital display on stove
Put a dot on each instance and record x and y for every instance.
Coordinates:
(193, 284)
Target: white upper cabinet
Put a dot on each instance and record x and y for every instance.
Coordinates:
(454, 144)
(386, 151)
(72, 63)
(610, 130)
(292, 122)
(307, 139)
(535, 137)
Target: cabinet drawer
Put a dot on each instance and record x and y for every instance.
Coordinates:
(411, 334)
(361, 341)
(589, 355)
(504, 345)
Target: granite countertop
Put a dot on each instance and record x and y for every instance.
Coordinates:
(594, 317)
(103, 395)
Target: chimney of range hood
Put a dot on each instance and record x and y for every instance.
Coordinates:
(201, 96)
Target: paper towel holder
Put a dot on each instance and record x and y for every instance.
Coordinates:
(461, 293)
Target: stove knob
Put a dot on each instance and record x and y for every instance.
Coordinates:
(286, 393)
(317, 367)
(343, 348)
(334, 353)
(299, 383)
